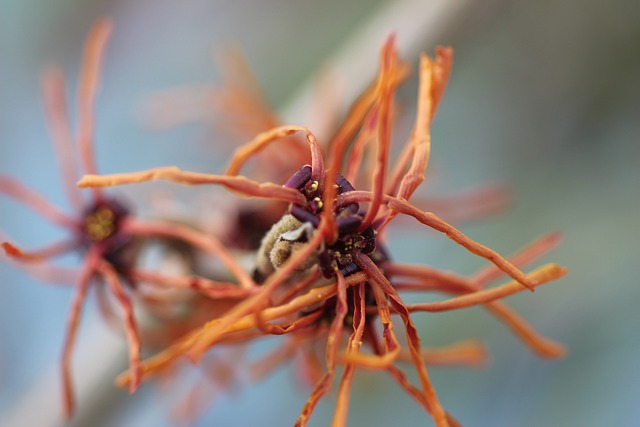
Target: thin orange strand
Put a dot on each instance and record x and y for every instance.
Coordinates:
(421, 137)
(447, 282)
(542, 275)
(210, 288)
(433, 80)
(88, 269)
(385, 102)
(239, 184)
(340, 143)
(431, 220)
(93, 56)
(413, 339)
(392, 348)
(333, 340)
(130, 327)
(41, 254)
(470, 353)
(210, 335)
(53, 95)
(532, 251)
(165, 358)
(365, 136)
(243, 153)
(30, 198)
(355, 342)
(208, 243)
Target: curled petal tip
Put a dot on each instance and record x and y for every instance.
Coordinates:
(89, 181)
(122, 380)
(194, 355)
(555, 351)
(556, 270)
(11, 250)
(133, 387)
(103, 26)
(135, 379)
(446, 51)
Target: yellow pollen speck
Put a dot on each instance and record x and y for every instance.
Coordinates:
(100, 224)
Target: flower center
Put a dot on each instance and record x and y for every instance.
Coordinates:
(101, 220)
(341, 255)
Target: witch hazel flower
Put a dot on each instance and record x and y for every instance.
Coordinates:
(103, 229)
(323, 269)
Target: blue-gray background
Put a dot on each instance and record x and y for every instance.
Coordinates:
(543, 96)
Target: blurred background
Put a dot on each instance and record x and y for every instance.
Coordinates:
(544, 96)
